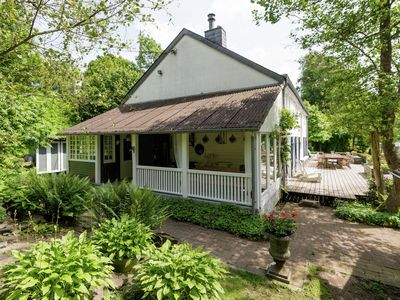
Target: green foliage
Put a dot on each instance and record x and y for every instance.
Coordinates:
(106, 81)
(59, 197)
(366, 214)
(180, 272)
(226, 217)
(319, 127)
(81, 26)
(67, 268)
(3, 214)
(122, 239)
(149, 51)
(115, 199)
(281, 225)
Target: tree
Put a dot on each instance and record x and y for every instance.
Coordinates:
(149, 51)
(364, 37)
(61, 24)
(319, 127)
(106, 81)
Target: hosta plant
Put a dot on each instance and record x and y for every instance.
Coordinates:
(123, 241)
(180, 272)
(66, 268)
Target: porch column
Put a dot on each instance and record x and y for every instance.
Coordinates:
(185, 164)
(97, 166)
(256, 174)
(135, 157)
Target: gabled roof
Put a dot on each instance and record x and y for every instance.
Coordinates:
(279, 78)
(234, 110)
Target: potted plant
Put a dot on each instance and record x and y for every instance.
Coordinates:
(124, 241)
(280, 229)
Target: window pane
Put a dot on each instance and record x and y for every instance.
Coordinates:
(42, 160)
(64, 155)
(54, 157)
(272, 158)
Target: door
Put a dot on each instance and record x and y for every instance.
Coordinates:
(110, 158)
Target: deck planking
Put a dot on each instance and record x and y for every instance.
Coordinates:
(347, 182)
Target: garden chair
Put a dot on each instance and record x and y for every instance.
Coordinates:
(308, 177)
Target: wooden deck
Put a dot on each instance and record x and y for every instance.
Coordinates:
(340, 183)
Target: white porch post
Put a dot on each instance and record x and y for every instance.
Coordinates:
(97, 168)
(256, 170)
(185, 164)
(135, 157)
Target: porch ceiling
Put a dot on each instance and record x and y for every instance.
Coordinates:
(245, 110)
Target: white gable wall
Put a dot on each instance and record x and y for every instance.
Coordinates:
(197, 68)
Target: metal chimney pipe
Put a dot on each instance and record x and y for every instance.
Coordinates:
(211, 21)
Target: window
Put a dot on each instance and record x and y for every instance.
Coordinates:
(82, 147)
(109, 148)
(127, 149)
(272, 158)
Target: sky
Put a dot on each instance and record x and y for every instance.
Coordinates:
(266, 44)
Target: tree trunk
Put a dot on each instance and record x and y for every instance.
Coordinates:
(389, 95)
(392, 204)
(376, 161)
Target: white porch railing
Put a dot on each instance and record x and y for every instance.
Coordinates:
(166, 180)
(220, 186)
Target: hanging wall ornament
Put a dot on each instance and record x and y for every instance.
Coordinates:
(232, 139)
(205, 139)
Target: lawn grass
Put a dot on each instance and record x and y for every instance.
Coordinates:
(241, 285)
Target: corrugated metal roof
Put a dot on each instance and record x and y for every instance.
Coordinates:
(244, 109)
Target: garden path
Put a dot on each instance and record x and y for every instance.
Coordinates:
(341, 247)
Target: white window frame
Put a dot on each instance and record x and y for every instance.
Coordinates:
(112, 159)
(60, 158)
(73, 146)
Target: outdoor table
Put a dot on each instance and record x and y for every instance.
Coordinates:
(338, 157)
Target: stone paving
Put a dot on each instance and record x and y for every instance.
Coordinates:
(322, 239)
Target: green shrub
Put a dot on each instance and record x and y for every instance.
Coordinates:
(115, 199)
(227, 217)
(3, 214)
(180, 272)
(366, 214)
(14, 193)
(67, 268)
(57, 196)
(122, 239)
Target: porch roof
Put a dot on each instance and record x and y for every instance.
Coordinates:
(240, 110)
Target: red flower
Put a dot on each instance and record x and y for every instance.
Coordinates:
(265, 216)
(294, 215)
(271, 217)
(283, 215)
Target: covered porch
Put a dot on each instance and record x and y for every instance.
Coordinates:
(225, 166)
(213, 166)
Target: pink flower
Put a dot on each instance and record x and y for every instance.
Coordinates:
(283, 215)
(293, 215)
(271, 217)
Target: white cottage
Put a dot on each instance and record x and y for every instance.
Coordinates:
(197, 124)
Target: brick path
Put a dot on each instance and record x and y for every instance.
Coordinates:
(322, 239)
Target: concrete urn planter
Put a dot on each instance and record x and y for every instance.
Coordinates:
(279, 250)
